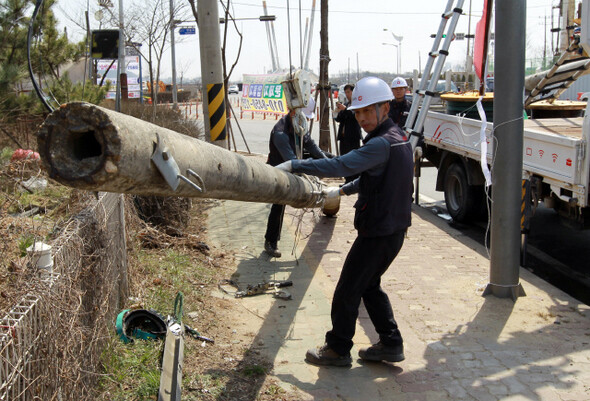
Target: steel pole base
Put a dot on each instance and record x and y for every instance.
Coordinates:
(504, 291)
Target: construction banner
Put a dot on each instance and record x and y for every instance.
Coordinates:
(264, 94)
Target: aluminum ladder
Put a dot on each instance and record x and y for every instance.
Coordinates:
(423, 95)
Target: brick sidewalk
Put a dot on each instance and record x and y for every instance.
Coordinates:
(459, 345)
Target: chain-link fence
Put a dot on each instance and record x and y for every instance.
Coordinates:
(50, 343)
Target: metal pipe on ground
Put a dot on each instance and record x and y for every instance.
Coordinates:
(92, 148)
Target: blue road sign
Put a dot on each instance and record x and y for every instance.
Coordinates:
(187, 30)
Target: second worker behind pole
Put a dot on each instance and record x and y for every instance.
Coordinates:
(283, 145)
(399, 107)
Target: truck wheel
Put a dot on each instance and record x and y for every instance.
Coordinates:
(462, 199)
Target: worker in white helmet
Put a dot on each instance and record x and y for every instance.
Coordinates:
(382, 216)
(400, 106)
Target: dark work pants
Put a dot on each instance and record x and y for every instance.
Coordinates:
(365, 263)
(275, 223)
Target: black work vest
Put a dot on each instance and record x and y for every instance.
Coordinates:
(285, 125)
(385, 201)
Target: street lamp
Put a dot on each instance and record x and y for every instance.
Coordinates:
(399, 53)
(397, 47)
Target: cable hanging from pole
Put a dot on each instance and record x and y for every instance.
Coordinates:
(38, 89)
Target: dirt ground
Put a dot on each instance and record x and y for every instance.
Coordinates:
(241, 374)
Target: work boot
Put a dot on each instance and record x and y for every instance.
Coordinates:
(380, 352)
(272, 249)
(326, 356)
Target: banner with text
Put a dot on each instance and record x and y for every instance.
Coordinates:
(108, 68)
(264, 94)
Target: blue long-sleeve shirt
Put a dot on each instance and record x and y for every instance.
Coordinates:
(372, 158)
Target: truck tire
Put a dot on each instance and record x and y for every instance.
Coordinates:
(462, 200)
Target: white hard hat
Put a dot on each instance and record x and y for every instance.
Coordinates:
(399, 82)
(309, 110)
(368, 91)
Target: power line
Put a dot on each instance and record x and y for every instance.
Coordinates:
(346, 12)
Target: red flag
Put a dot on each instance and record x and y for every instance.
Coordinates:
(480, 47)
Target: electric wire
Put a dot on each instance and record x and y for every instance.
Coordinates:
(36, 86)
(489, 200)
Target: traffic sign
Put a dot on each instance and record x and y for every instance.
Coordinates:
(187, 30)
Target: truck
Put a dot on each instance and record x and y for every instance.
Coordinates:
(556, 164)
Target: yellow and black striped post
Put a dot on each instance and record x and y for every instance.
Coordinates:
(216, 107)
(525, 206)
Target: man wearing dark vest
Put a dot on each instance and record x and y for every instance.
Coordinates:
(383, 214)
(283, 146)
(399, 106)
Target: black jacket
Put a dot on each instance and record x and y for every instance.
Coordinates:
(349, 131)
(282, 143)
(384, 201)
(398, 111)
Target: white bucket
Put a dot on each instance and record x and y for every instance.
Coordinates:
(41, 256)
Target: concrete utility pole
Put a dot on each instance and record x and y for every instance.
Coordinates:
(508, 141)
(275, 64)
(212, 72)
(309, 37)
(173, 53)
(92, 148)
(325, 90)
(121, 74)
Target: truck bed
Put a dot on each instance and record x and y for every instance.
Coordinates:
(571, 127)
(552, 148)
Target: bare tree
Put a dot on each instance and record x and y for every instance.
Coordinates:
(147, 29)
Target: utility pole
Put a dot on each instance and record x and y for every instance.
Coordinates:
(545, 43)
(173, 53)
(467, 63)
(309, 37)
(214, 109)
(121, 73)
(348, 72)
(507, 145)
(325, 89)
(271, 47)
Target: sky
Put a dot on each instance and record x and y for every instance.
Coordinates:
(357, 31)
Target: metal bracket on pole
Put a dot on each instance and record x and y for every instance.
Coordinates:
(505, 291)
(169, 169)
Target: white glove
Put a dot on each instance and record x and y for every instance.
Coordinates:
(331, 192)
(286, 166)
(331, 200)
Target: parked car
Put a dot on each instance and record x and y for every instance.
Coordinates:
(233, 89)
